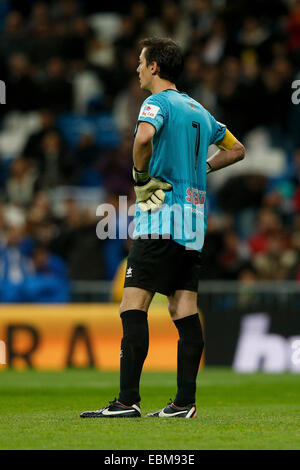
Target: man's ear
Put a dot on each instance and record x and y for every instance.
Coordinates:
(154, 68)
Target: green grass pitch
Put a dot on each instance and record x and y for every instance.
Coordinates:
(40, 410)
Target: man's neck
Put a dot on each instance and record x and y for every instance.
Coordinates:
(162, 85)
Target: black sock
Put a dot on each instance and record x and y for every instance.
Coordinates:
(190, 347)
(134, 349)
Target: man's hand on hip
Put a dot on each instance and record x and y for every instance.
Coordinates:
(150, 192)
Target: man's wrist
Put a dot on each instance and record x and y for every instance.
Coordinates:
(209, 168)
(140, 177)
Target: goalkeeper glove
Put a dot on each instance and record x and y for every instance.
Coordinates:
(150, 192)
(208, 168)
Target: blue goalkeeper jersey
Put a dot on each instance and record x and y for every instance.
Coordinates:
(184, 131)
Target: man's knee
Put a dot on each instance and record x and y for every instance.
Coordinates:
(172, 306)
(135, 299)
(178, 311)
(182, 304)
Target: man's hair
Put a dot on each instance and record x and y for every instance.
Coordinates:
(167, 54)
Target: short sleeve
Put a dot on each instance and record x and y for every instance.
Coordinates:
(218, 130)
(154, 112)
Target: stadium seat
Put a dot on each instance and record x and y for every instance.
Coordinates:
(102, 126)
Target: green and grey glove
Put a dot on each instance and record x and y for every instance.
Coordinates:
(208, 168)
(150, 192)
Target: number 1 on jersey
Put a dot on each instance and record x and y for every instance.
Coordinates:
(197, 144)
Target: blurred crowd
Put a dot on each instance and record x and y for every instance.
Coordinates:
(75, 61)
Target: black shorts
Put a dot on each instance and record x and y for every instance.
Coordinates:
(163, 266)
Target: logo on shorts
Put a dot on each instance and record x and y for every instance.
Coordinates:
(129, 272)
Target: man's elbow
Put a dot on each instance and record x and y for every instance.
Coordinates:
(143, 139)
(240, 151)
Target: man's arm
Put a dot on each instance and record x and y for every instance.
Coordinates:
(149, 191)
(143, 147)
(231, 151)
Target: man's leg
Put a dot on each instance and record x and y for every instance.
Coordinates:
(134, 346)
(183, 311)
(190, 347)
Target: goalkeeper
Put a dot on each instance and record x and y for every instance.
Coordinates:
(172, 137)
